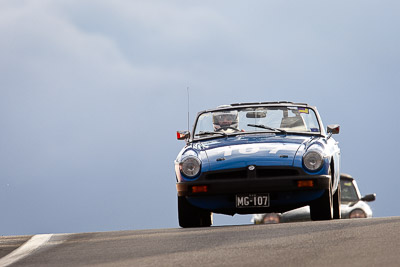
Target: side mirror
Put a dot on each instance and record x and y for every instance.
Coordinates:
(333, 128)
(182, 135)
(369, 197)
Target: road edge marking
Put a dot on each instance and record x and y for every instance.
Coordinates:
(27, 248)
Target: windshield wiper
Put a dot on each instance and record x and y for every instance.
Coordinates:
(201, 133)
(266, 127)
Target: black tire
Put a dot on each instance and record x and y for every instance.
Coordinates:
(190, 216)
(322, 208)
(336, 203)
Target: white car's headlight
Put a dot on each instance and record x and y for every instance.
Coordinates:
(357, 213)
(313, 160)
(190, 166)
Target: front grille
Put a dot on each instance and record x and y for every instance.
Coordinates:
(220, 175)
(244, 173)
(265, 173)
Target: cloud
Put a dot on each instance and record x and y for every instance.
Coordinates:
(48, 44)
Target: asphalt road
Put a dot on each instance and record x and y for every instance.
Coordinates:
(356, 242)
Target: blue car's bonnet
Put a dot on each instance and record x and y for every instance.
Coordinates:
(259, 150)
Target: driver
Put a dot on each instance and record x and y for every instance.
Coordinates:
(226, 121)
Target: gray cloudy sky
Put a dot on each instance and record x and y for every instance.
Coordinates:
(92, 92)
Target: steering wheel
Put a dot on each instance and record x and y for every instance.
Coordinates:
(228, 127)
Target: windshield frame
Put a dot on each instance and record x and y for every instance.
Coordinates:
(239, 107)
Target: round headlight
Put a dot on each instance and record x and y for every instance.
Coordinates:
(357, 213)
(190, 166)
(313, 160)
(272, 218)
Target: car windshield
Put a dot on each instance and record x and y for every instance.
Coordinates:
(348, 191)
(282, 119)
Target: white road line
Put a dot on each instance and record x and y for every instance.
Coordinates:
(31, 245)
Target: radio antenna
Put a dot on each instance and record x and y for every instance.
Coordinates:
(188, 107)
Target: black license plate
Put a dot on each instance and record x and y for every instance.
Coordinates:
(252, 200)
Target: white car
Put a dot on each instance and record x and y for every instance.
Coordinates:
(352, 206)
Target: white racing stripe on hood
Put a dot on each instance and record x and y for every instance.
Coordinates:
(261, 154)
(248, 149)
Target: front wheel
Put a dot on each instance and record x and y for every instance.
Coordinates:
(336, 203)
(322, 208)
(190, 216)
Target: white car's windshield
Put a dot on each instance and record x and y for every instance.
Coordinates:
(257, 119)
(349, 193)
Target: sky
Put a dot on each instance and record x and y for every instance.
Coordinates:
(92, 93)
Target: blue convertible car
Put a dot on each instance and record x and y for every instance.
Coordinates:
(257, 158)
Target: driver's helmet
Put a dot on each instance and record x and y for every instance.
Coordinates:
(225, 119)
